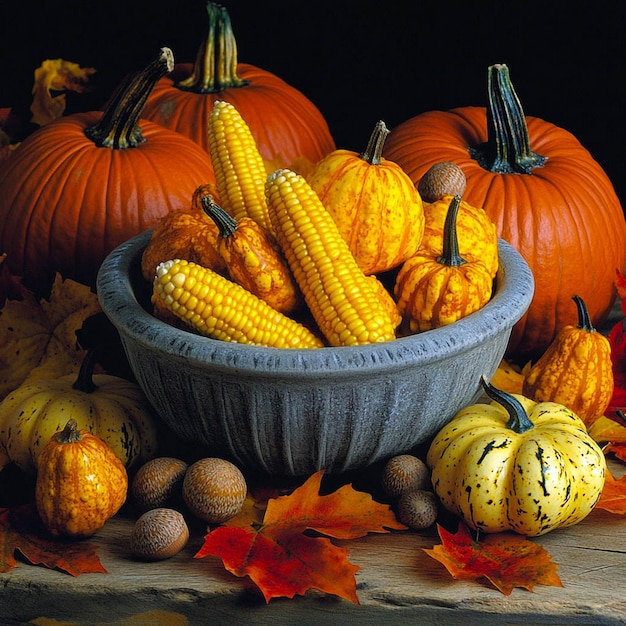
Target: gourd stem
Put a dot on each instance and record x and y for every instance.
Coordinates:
(215, 67)
(226, 223)
(519, 421)
(69, 434)
(508, 144)
(118, 128)
(84, 381)
(450, 253)
(374, 149)
(584, 321)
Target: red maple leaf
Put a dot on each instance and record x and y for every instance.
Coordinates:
(277, 550)
(507, 560)
(22, 531)
(617, 338)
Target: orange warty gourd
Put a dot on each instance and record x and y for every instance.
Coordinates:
(80, 483)
(289, 129)
(374, 203)
(83, 184)
(548, 197)
(576, 370)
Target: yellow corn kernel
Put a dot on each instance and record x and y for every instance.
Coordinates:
(239, 168)
(343, 301)
(219, 308)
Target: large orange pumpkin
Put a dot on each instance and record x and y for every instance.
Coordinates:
(289, 129)
(548, 197)
(81, 185)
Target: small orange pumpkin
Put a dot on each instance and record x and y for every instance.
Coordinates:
(80, 484)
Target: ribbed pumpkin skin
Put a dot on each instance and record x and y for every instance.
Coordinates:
(286, 125)
(564, 218)
(65, 203)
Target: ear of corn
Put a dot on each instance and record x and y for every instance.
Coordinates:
(219, 308)
(239, 168)
(344, 303)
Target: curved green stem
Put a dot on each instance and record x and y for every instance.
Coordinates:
(84, 381)
(374, 149)
(226, 224)
(508, 145)
(215, 67)
(450, 253)
(118, 128)
(519, 421)
(584, 321)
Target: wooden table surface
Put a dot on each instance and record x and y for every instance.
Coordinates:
(397, 584)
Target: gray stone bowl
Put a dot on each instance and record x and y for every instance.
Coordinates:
(292, 412)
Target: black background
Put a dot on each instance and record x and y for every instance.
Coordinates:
(359, 61)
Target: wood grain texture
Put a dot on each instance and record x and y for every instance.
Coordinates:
(397, 584)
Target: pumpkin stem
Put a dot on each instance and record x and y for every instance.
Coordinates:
(584, 321)
(450, 253)
(508, 145)
(215, 67)
(118, 128)
(84, 381)
(519, 421)
(69, 434)
(226, 223)
(374, 150)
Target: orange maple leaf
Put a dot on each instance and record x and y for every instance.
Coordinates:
(283, 561)
(613, 496)
(507, 560)
(22, 531)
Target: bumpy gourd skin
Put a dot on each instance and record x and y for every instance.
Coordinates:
(532, 482)
(80, 484)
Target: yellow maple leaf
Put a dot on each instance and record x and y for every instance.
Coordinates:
(56, 75)
(39, 336)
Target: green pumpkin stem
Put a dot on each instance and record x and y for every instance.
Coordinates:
(519, 422)
(508, 145)
(84, 381)
(226, 224)
(374, 149)
(215, 67)
(69, 434)
(450, 253)
(118, 128)
(584, 321)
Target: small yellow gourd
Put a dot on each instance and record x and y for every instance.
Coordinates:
(374, 203)
(516, 464)
(434, 291)
(111, 407)
(80, 485)
(576, 370)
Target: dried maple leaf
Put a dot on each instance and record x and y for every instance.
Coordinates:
(56, 75)
(38, 337)
(274, 551)
(613, 497)
(507, 560)
(21, 531)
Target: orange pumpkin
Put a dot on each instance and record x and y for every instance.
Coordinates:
(83, 184)
(548, 197)
(289, 129)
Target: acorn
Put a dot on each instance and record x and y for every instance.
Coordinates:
(403, 473)
(418, 509)
(214, 490)
(158, 483)
(442, 179)
(159, 534)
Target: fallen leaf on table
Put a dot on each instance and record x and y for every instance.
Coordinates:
(271, 546)
(56, 76)
(613, 496)
(38, 337)
(21, 531)
(507, 560)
